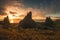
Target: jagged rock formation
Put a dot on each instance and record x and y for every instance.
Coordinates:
(6, 22)
(27, 22)
(49, 23)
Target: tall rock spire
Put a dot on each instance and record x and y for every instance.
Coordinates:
(29, 16)
(27, 22)
(6, 22)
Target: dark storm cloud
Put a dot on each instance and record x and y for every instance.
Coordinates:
(49, 6)
(2, 10)
(37, 3)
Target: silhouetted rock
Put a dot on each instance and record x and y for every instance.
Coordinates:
(49, 23)
(1, 22)
(6, 22)
(27, 22)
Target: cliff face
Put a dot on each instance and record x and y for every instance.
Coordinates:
(27, 22)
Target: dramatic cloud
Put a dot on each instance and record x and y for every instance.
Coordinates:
(36, 6)
(16, 6)
(47, 6)
(17, 9)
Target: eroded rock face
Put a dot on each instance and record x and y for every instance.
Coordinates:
(27, 22)
(49, 23)
(6, 22)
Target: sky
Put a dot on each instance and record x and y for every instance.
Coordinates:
(38, 7)
(50, 7)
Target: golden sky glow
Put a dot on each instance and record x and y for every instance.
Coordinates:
(15, 13)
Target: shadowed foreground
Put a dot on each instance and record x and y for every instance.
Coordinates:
(29, 34)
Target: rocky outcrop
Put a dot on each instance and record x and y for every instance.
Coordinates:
(6, 22)
(27, 22)
(49, 23)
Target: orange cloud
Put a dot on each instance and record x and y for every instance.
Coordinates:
(15, 10)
